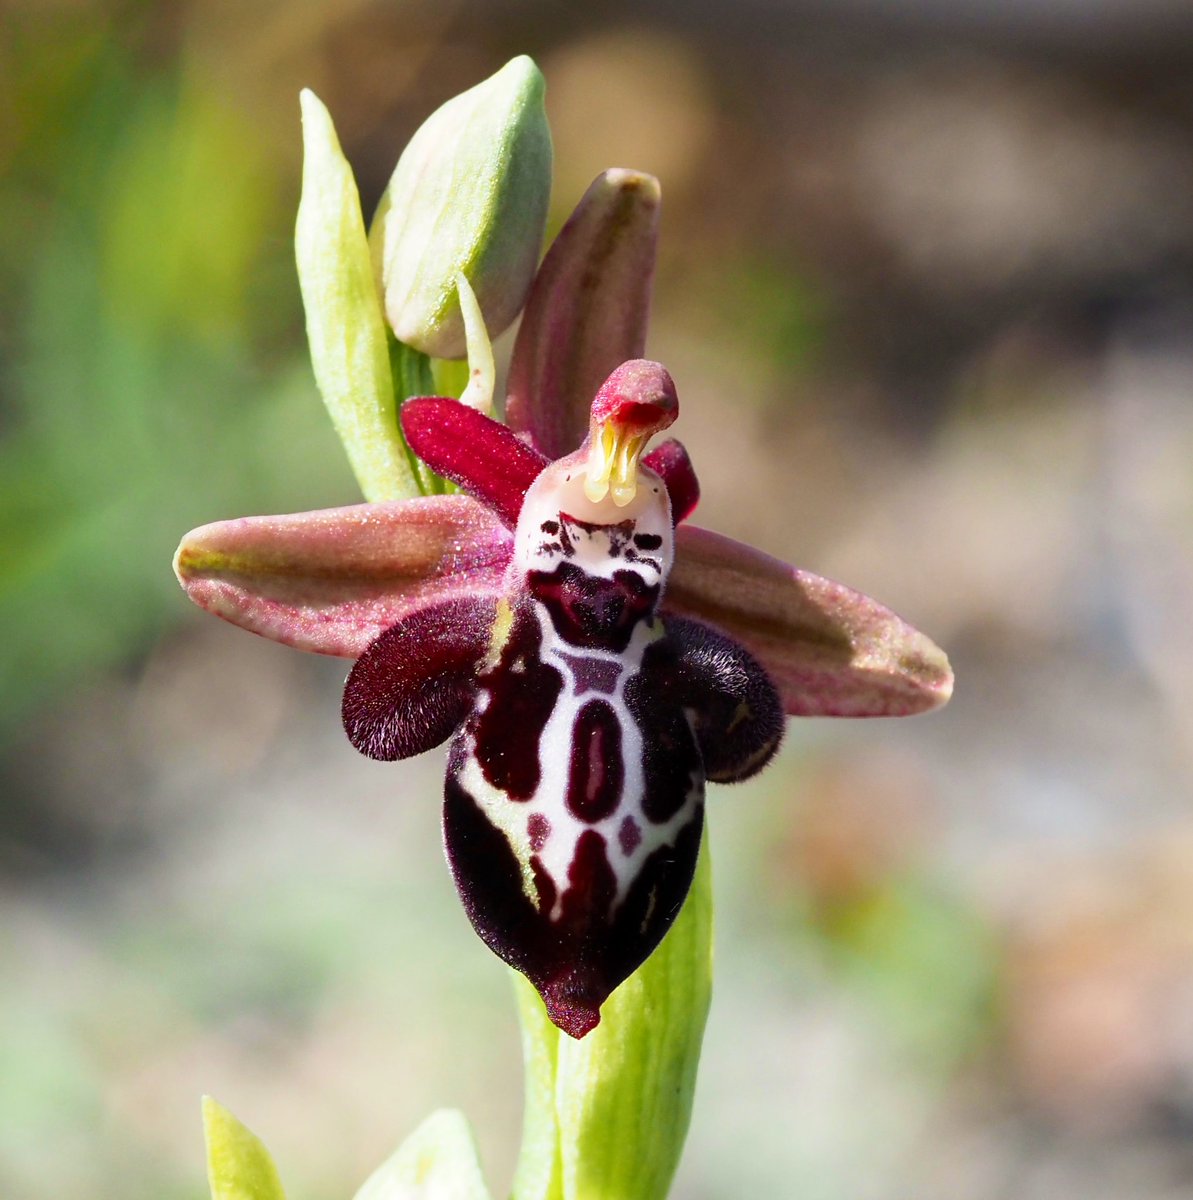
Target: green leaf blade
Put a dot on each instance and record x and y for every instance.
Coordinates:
(238, 1165)
(345, 326)
(438, 1161)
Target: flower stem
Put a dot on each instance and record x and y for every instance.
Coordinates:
(606, 1116)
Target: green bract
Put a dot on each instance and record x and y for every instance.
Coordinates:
(345, 327)
(238, 1165)
(436, 1162)
(469, 195)
(606, 1117)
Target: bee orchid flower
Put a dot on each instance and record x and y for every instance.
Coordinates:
(592, 658)
(532, 593)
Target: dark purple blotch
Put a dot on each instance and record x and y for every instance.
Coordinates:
(629, 836)
(597, 770)
(522, 692)
(591, 674)
(593, 613)
(538, 830)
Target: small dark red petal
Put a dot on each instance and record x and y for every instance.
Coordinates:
(669, 460)
(485, 458)
(415, 684)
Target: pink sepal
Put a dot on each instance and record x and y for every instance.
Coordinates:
(331, 581)
(831, 652)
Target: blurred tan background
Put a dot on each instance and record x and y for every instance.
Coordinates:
(926, 288)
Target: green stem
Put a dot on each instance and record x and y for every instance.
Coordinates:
(606, 1116)
(412, 376)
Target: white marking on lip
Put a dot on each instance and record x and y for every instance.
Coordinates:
(511, 817)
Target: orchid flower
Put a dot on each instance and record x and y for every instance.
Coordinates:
(592, 658)
(584, 723)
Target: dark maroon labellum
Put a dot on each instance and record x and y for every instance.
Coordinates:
(584, 724)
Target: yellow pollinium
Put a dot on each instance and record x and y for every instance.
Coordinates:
(613, 458)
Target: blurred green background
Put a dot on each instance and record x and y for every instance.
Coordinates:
(926, 288)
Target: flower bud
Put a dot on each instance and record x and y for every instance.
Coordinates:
(468, 196)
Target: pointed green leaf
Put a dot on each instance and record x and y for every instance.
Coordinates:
(437, 1161)
(238, 1165)
(345, 327)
